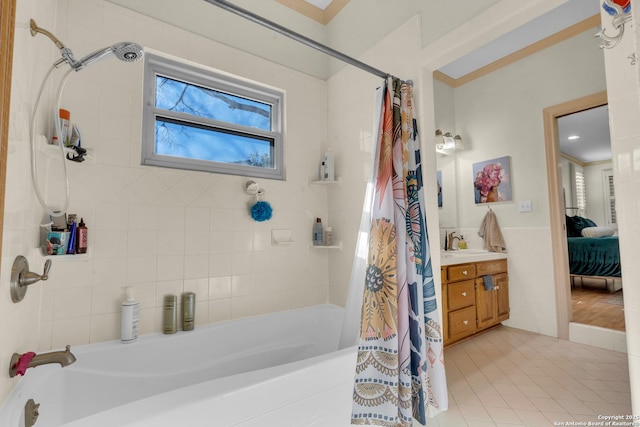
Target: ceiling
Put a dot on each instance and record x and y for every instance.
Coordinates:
(570, 13)
(592, 127)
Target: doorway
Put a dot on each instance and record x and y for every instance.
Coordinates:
(564, 305)
(589, 199)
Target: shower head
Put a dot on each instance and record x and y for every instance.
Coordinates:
(124, 51)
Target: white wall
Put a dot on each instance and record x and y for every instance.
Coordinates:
(157, 230)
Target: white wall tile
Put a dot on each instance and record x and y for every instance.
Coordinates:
(105, 327)
(170, 267)
(220, 287)
(219, 310)
(198, 286)
(72, 331)
(74, 302)
(141, 269)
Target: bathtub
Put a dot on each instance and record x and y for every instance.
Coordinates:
(255, 371)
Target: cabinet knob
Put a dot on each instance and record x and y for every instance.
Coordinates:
(465, 322)
(464, 294)
(465, 272)
(497, 287)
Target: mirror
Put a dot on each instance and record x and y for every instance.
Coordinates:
(444, 111)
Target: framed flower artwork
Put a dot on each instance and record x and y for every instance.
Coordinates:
(492, 180)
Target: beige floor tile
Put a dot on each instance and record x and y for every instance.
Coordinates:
(506, 377)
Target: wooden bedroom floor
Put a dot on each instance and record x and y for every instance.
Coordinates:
(598, 308)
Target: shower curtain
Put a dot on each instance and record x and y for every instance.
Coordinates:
(400, 366)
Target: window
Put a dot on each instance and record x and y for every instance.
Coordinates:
(578, 189)
(610, 199)
(581, 192)
(200, 120)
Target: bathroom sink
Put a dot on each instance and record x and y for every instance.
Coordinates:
(468, 255)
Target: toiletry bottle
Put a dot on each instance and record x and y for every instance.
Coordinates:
(188, 311)
(170, 314)
(328, 236)
(71, 245)
(330, 174)
(65, 121)
(318, 234)
(81, 235)
(323, 171)
(130, 318)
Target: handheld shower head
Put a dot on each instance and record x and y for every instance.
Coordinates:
(124, 51)
(128, 51)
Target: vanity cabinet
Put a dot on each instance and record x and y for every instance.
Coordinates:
(468, 307)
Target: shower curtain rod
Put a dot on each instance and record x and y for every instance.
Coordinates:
(296, 36)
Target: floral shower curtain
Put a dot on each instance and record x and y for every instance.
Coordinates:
(400, 367)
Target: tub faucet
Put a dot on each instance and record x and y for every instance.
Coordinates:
(21, 362)
(452, 235)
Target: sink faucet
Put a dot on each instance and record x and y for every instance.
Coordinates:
(452, 235)
(21, 362)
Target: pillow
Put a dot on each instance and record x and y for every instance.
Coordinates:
(597, 232)
(575, 224)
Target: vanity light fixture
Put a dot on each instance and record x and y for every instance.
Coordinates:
(447, 144)
(572, 137)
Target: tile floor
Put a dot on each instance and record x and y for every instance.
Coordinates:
(508, 377)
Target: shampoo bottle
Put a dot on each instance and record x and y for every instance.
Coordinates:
(130, 318)
(318, 233)
(81, 235)
(328, 236)
(170, 315)
(188, 310)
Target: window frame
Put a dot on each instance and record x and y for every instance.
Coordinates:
(156, 65)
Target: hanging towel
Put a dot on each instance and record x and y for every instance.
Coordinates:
(488, 282)
(490, 232)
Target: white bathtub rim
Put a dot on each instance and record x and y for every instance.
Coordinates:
(157, 336)
(198, 394)
(44, 372)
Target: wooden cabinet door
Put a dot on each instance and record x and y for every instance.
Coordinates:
(501, 282)
(485, 305)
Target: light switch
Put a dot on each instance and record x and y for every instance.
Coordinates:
(524, 206)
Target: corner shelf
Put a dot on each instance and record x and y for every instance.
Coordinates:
(337, 246)
(318, 183)
(52, 151)
(69, 257)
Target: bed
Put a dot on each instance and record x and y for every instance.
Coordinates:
(593, 260)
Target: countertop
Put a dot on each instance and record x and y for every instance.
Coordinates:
(461, 256)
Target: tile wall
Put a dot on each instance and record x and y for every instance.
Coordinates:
(158, 230)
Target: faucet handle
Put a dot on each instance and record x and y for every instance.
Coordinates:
(21, 277)
(47, 267)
